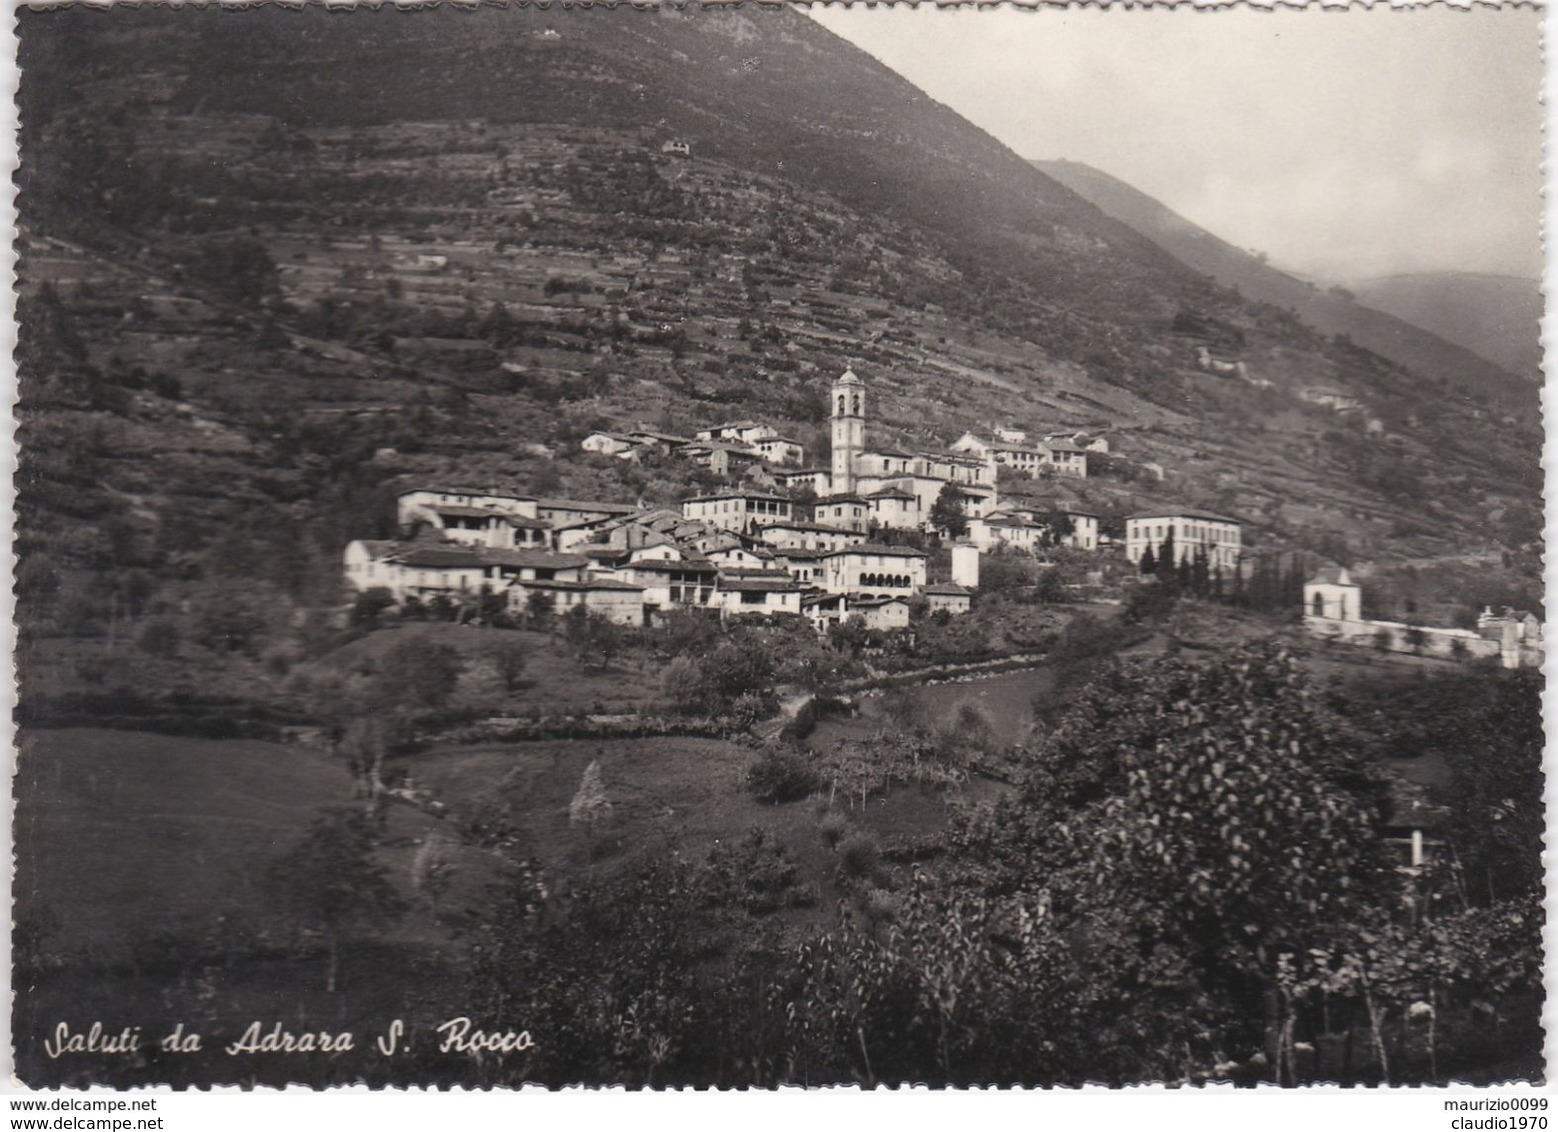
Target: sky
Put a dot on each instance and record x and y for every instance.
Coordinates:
(1345, 144)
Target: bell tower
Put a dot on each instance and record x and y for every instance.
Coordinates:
(849, 429)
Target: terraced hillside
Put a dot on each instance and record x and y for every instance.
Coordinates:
(450, 246)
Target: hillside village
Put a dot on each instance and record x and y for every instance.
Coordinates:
(786, 539)
(823, 543)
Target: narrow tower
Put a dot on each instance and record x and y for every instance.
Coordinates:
(849, 429)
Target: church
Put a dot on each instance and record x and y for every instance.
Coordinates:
(897, 488)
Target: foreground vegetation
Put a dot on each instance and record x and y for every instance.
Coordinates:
(1178, 869)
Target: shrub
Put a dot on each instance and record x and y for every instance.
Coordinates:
(833, 825)
(1149, 602)
(758, 873)
(859, 856)
(781, 775)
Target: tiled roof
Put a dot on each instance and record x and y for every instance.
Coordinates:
(543, 559)
(678, 566)
(1182, 513)
(444, 489)
(584, 505)
(440, 557)
(462, 511)
(946, 589)
(879, 549)
(1330, 576)
(768, 584)
(579, 587)
(818, 528)
(737, 495)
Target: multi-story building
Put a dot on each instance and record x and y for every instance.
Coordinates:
(875, 569)
(1187, 530)
(743, 511)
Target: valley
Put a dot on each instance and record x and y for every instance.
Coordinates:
(701, 843)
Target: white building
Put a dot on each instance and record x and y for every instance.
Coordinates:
(608, 444)
(875, 569)
(794, 535)
(739, 432)
(1332, 593)
(743, 511)
(965, 565)
(763, 592)
(947, 597)
(781, 450)
(896, 507)
(421, 505)
(848, 511)
(881, 612)
(1190, 529)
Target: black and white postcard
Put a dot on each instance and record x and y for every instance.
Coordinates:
(750, 546)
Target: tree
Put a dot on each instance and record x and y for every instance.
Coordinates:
(1487, 725)
(539, 609)
(1059, 526)
(590, 804)
(509, 659)
(416, 674)
(330, 883)
(1219, 813)
(369, 604)
(1149, 561)
(240, 268)
(595, 639)
(948, 513)
(432, 869)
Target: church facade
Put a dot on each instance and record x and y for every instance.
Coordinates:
(898, 488)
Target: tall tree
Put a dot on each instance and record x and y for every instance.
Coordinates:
(330, 883)
(948, 513)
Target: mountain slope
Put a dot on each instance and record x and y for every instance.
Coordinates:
(310, 257)
(1392, 334)
(1496, 316)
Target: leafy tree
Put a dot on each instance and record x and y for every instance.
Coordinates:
(330, 883)
(415, 673)
(240, 268)
(1059, 525)
(594, 638)
(948, 513)
(369, 604)
(739, 667)
(1488, 727)
(539, 609)
(509, 659)
(782, 775)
